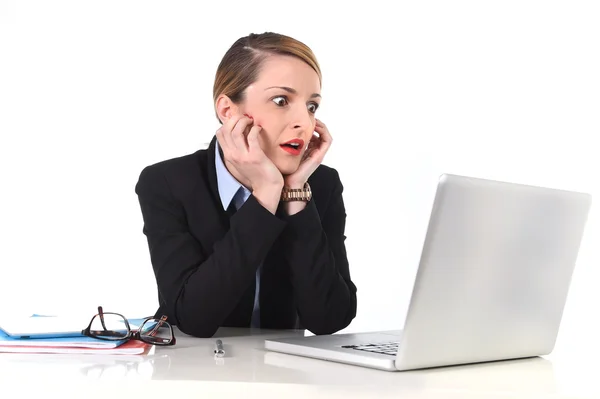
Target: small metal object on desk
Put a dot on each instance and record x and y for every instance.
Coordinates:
(219, 352)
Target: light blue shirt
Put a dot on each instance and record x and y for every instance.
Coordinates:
(232, 190)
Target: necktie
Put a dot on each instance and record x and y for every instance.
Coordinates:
(255, 320)
(231, 210)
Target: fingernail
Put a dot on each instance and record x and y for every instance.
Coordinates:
(248, 116)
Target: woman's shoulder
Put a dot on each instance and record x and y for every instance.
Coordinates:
(177, 170)
(178, 163)
(326, 174)
(325, 178)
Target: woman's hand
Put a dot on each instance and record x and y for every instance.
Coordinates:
(312, 158)
(246, 160)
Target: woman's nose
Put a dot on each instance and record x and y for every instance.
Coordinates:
(302, 119)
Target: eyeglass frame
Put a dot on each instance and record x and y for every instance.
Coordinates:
(131, 334)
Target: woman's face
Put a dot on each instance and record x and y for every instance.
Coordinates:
(283, 102)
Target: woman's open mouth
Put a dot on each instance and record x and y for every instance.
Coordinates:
(293, 147)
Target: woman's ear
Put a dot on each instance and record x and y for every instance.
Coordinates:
(225, 108)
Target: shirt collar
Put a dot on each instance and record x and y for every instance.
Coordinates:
(227, 184)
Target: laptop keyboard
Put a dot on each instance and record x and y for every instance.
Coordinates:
(385, 348)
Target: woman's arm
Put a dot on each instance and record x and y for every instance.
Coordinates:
(315, 249)
(201, 290)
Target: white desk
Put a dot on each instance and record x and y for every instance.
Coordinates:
(189, 369)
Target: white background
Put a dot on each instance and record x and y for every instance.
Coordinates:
(91, 92)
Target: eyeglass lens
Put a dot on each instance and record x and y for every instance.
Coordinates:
(155, 331)
(109, 326)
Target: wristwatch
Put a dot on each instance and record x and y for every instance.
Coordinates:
(296, 194)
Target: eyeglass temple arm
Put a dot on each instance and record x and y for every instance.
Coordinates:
(101, 314)
(158, 325)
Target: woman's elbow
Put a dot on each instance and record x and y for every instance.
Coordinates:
(193, 322)
(198, 330)
(330, 325)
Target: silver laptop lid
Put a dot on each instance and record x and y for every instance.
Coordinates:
(494, 273)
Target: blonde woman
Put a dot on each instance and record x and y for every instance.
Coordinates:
(250, 232)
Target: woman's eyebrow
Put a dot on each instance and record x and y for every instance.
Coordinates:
(292, 91)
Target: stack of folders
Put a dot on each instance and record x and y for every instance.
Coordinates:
(44, 334)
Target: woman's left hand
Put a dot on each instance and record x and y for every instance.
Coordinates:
(312, 158)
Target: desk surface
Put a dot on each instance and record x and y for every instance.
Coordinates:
(190, 367)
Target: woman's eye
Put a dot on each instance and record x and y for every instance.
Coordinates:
(280, 100)
(312, 107)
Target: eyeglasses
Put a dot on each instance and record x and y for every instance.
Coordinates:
(110, 326)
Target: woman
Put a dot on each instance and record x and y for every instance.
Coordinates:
(250, 232)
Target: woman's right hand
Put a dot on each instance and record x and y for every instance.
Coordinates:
(238, 138)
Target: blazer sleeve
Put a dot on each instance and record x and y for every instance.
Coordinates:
(324, 293)
(200, 291)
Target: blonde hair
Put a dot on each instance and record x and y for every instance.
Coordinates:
(241, 65)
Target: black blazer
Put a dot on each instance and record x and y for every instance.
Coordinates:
(205, 260)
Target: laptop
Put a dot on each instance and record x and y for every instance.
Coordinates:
(491, 284)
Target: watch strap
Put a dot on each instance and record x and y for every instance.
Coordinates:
(296, 194)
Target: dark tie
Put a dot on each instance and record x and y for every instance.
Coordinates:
(231, 210)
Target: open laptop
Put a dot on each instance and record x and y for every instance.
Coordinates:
(492, 281)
